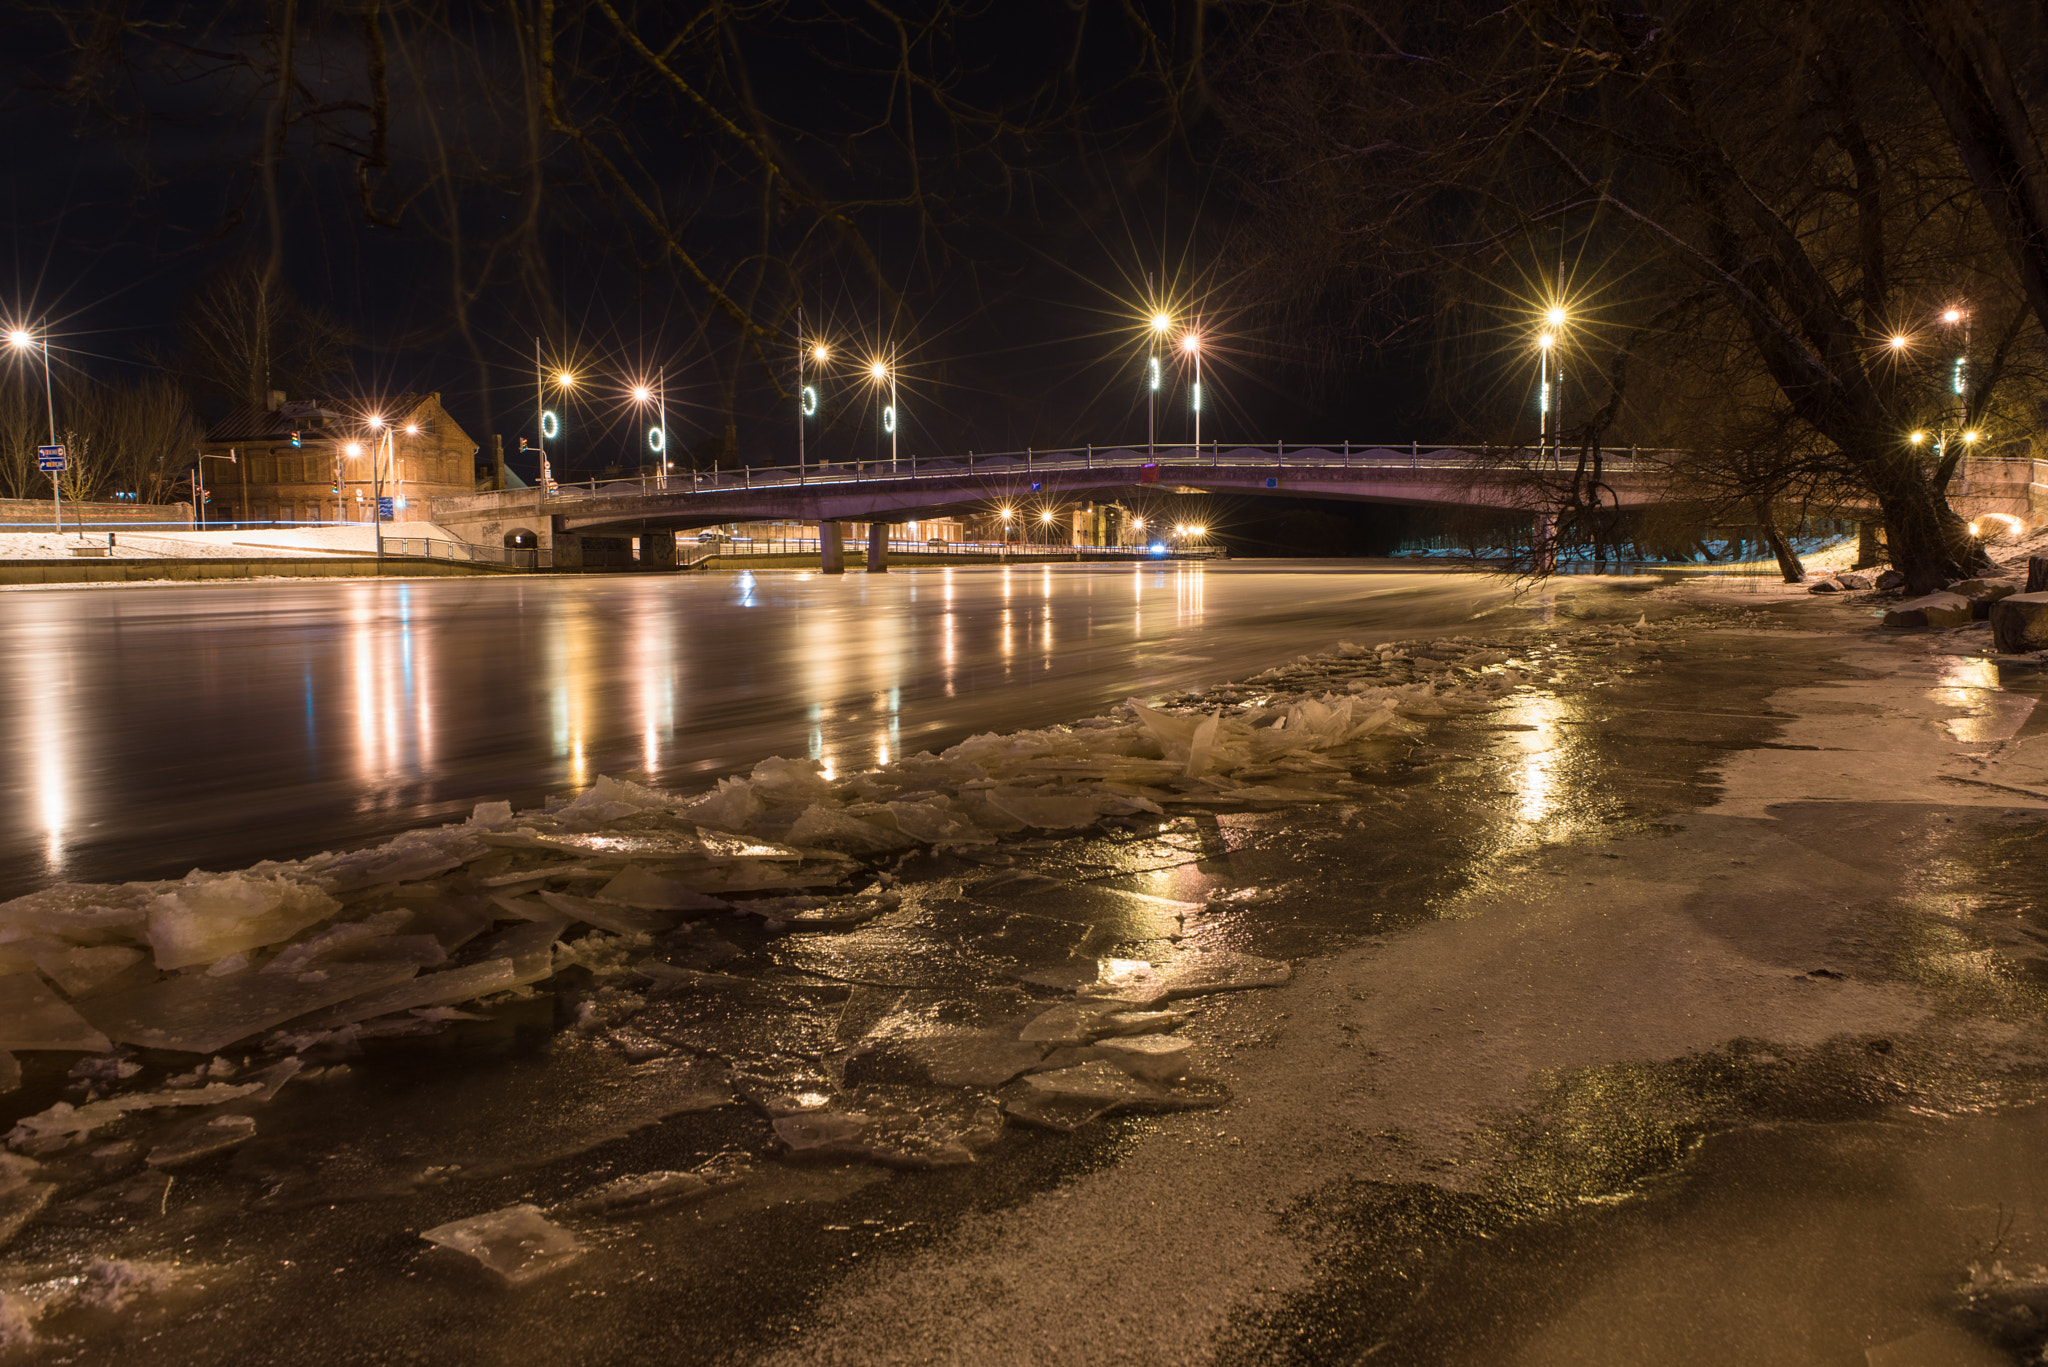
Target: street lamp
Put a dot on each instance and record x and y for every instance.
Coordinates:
(550, 424)
(1192, 345)
(880, 371)
(1161, 325)
(1545, 342)
(806, 397)
(657, 436)
(377, 424)
(21, 340)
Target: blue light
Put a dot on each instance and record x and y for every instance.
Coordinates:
(1158, 548)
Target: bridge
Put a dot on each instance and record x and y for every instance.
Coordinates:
(873, 492)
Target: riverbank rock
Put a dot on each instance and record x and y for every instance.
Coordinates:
(1853, 580)
(2019, 623)
(1825, 585)
(1891, 579)
(1934, 610)
(1982, 593)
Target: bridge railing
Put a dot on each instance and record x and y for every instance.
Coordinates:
(439, 548)
(1280, 457)
(802, 547)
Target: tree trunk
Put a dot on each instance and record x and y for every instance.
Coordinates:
(1866, 545)
(1930, 545)
(1788, 560)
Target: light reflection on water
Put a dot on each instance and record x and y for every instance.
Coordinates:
(153, 730)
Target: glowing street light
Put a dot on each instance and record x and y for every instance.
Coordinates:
(657, 435)
(1192, 345)
(806, 397)
(550, 424)
(880, 371)
(1898, 343)
(1917, 437)
(1161, 325)
(21, 339)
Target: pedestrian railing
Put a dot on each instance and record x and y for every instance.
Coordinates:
(439, 548)
(1276, 458)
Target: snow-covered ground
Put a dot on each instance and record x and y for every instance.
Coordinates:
(255, 542)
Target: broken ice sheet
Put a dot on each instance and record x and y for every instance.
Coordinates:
(200, 1015)
(445, 988)
(835, 829)
(908, 1127)
(33, 1016)
(1149, 1058)
(203, 1140)
(636, 887)
(207, 917)
(64, 1124)
(613, 916)
(641, 1190)
(518, 1243)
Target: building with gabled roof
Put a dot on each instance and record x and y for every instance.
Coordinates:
(316, 461)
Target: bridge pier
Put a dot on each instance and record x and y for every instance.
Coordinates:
(878, 548)
(831, 548)
(658, 550)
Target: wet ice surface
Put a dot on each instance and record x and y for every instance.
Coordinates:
(803, 1062)
(897, 969)
(315, 714)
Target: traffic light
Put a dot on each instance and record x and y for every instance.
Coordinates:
(295, 439)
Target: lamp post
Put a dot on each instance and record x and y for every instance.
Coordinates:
(657, 436)
(564, 381)
(21, 340)
(1161, 324)
(1192, 345)
(355, 451)
(891, 418)
(1553, 412)
(198, 489)
(806, 397)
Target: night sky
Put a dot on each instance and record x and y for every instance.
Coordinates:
(1022, 273)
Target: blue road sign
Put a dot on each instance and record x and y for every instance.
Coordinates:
(50, 458)
(384, 510)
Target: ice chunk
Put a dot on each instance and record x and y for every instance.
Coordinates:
(200, 1015)
(1221, 970)
(728, 807)
(22, 1198)
(404, 860)
(217, 1135)
(63, 1124)
(429, 989)
(1057, 812)
(1269, 793)
(1079, 1022)
(639, 1190)
(208, 917)
(1149, 1058)
(84, 913)
(33, 1016)
(1097, 1081)
(835, 829)
(790, 780)
(971, 1058)
(518, 1243)
(636, 887)
(337, 939)
(907, 1127)
(112, 1283)
(530, 947)
(17, 1320)
(80, 970)
(489, 814)
(935, 822)
(616, 917)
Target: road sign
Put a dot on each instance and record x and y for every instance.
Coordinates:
(50, 458)
(383, 510)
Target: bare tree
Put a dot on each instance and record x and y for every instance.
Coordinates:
(1754, 193)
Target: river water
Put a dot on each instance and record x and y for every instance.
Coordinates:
(152, 730)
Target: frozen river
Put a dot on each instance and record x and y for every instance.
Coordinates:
(152, 730)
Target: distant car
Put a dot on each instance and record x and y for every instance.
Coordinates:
(706, 538)
(937, 541)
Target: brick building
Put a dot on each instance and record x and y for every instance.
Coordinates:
(408, 450)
